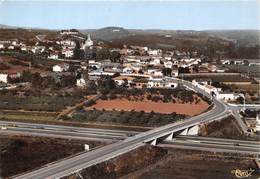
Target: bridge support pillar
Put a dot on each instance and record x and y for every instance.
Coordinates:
(154, 142)
(169, 137)
(185, 132)
(193, 130)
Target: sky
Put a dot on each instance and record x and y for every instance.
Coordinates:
(133, 14)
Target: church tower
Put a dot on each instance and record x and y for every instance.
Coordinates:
(86, 48)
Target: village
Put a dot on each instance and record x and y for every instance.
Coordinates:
(129, 89)
(131, 66)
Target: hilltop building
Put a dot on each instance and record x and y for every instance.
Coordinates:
(88, 43)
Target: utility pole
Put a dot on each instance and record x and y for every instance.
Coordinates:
(244, 104)
(30, 66)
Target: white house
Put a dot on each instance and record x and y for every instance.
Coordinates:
(155, 61)
(2, 46)
(158, 82)
(168, 58)
(81, 82)
(175, 72)
(24, 48)
(11, 47)
(38, 49)
(68, 42)
(54, 56)
(100, 73)
(120, 80)
(128, 70)
(207, 88)
(3, 77)
(168, 64)
(68, 53)
(96, 65)
(60, 67)
(154, 52)
(69, 32)
(154, 72)
(227, 96)
(225, 62)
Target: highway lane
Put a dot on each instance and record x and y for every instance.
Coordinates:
(213, 146)
(63, 128)
(75, 164)
(68, 132)
(220, 141)
(72, 165)
(87, 135)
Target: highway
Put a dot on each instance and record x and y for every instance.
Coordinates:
(74, 164)
(213, 144)
(68, 132)
(184, 142)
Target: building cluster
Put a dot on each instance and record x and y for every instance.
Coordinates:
(206, 86)
(135, 66)
(60, 48)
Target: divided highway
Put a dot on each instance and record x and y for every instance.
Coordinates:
(77, 163)
(64, 131)
(213, 144)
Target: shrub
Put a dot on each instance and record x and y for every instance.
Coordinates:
(90, 103)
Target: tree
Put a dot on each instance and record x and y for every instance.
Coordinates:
(106, 84)
(240, 100)
(91, 86)
(167, 71)
(125, 83)
(246, 62)
(26, 76)
(77, 52)
(183, 70)
(103, 54)
(115, 56)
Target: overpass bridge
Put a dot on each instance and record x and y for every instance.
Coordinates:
(76, 164)
(80, 162)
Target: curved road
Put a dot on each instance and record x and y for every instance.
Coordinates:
(77, 163)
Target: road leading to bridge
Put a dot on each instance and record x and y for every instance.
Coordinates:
(213, 145)
(77, 163)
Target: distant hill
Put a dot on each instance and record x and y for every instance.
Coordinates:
(2, 26)
(241, 38)
(108, 33)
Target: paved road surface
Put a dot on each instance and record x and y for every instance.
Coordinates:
(68, 132)
(64, 168)
(214, 145)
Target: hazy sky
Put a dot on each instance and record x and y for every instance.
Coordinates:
(193, 14)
